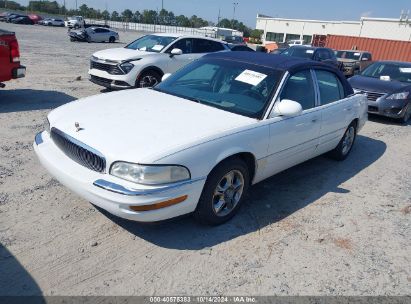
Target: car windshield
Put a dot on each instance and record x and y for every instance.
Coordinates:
(301, 52)
(244, 89)
(395, 71)
(348, 55)
(151, 43)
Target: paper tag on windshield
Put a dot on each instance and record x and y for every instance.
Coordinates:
(357, 54)
(309, 51)
(251, 77)
(157, 47)
(405, 70)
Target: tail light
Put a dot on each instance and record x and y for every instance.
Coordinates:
(14, 51)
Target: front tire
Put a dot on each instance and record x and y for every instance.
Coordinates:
(112, 39)
(223, 193)
(346, 143)
(148, 79)
(407, 115)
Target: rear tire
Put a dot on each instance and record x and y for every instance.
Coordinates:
(148, 79)
(223, 193)
(346, 143)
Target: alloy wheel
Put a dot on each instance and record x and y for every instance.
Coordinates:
(228, 193)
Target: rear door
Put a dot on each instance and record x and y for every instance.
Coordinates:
(337, 110)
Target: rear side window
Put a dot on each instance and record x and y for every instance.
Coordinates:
(206, 46)
(330, 87)
(300, 88)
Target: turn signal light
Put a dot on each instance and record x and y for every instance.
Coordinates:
(160, 205)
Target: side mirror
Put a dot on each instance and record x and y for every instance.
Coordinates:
(175, 52)
(165, 76)
(287, 107)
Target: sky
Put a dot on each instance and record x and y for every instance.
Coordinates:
(246, 10)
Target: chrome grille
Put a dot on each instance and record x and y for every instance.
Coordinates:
(373, 96)
(109, 68)
(78, 152)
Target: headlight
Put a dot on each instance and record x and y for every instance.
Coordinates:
(402, 95)
(149, 175)
(126, 67)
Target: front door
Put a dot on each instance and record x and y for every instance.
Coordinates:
(178, 61)
(294, 139)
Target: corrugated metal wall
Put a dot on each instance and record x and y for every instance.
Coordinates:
(381, 49)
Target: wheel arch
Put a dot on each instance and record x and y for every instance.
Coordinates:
(150, 68)
(248, 158)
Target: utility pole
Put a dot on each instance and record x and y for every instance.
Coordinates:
(76, 5)
(235, 4)
(219, 17)
(162, 4)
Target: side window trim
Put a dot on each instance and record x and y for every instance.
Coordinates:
(316, 88)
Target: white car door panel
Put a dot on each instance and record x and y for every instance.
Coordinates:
(294, 139)
(337, 111)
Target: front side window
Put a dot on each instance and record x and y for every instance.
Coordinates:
(151, 43)
(186, 45)
(330, 87)
(239, 88)
(300, 88)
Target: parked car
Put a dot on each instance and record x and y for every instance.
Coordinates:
(388, 88)
(35, 18)
(75, 22)
(143, 62)
(22, 20)
(325, 55)
(94, 34)
(354, 62)
(10, 67)
(4, 16)
(10, 17)
(240, 48)
(278, 51)
(234, 40)
(53, 22)
(296, 42)
(197, 141)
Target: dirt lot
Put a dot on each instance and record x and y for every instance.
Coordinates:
(322, 228)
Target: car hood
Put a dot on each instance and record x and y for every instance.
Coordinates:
(142, 125)
(121, 54)
(375, 85)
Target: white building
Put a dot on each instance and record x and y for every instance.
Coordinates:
(282, 30)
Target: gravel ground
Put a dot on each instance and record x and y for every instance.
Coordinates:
(321, 228)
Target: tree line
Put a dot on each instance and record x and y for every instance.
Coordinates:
(162, 17)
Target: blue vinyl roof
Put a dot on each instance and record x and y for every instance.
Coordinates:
(280, 62)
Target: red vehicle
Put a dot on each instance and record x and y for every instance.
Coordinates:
(10, 67)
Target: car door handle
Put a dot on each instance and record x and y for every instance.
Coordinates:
(348, 109)
(314, 120)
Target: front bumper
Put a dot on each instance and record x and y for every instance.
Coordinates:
(19, 72)
(388, 108)
(107, 80)
(113, 194)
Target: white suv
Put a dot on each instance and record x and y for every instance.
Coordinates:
(143, 62)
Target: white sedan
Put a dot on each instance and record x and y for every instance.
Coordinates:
(197, 141)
